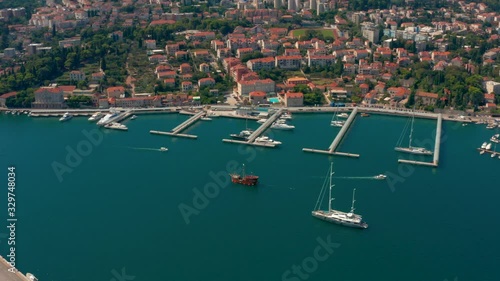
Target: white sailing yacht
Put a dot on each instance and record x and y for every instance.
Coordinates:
(411, 149)
(348, 219)
(335, 121)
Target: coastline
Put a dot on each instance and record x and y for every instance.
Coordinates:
(228, 111)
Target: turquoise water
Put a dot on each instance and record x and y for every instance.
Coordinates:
(274, 100)
(119, 207)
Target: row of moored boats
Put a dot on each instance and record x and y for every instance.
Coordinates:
(105, 120)
(279, 124)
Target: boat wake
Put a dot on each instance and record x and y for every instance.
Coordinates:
(145, 148)
(357, 178)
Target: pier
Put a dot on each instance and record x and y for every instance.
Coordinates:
(259, 131)
(333, 147)
(176, 132)
(437, 146)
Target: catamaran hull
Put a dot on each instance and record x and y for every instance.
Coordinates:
(413, 151)
(320, 216)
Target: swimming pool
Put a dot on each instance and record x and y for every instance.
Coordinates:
(274, 100)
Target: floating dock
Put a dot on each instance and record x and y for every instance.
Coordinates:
(333, 147)
(437, 146)
(176, 132)
(259, 131)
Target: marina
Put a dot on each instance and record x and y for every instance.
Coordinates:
(333, 147)
(176, 132)
(282, 183)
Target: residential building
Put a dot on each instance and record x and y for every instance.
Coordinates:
(76, 75)
(288, 62)
(116, 92)
(261, 63)
(426, 98)
(294, 99)
(257, 97)
(245, 87)
(4, 97)
(206, 82)
(186, 86)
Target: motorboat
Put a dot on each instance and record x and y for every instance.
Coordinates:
(267, 140)
(243, 135)
(163, 149)
(261, 121)
(116, 126)
(380, 177)
(133, 117)
(337, 123)
(343, 115)
(282, 126)
(206, 118)
(483, 146)
(66, 117)
(96, 116)
(286, 116)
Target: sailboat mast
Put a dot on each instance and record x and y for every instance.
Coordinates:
(353, 200)
(411, 130)
(330, 192)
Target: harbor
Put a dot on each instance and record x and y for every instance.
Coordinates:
(287, 177)
(337, 140)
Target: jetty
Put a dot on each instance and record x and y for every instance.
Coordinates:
(437, 146)
(176, 132)
(251, 139)
(333, 147)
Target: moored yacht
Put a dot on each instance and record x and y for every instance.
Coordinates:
(483, 146)
(282, 126)
(116, 126)
(261, 121)
(488, 147)
(243, 135)
(286, 115)
(267, 140)
(337, 123)
(96, 116)
(343, 115)
(66, 117)
(107, 118)
(495, 138)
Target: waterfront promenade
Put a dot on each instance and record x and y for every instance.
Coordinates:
(6, 275)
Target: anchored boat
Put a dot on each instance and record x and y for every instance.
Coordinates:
(348, 219)
(244, 179)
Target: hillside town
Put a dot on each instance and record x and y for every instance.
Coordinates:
(154, 53)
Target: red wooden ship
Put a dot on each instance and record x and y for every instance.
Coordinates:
(244, 179)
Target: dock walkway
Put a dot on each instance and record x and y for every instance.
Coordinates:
(176, 132)
(437, 147)
(335, 143)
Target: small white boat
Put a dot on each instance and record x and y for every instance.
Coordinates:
(96, 116)
(163, 149)
(261, 121)
(286, 116)
(380, 177)
(282, 126)
(464, 124)
(206, 119)
(343, 115)
(488, 147)
(493, 155)
(66, 117)
(491, 126)
(483, 146)
(133, 117)
(337, 123)
(481, 152)
(116, 126)
(267, 140)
